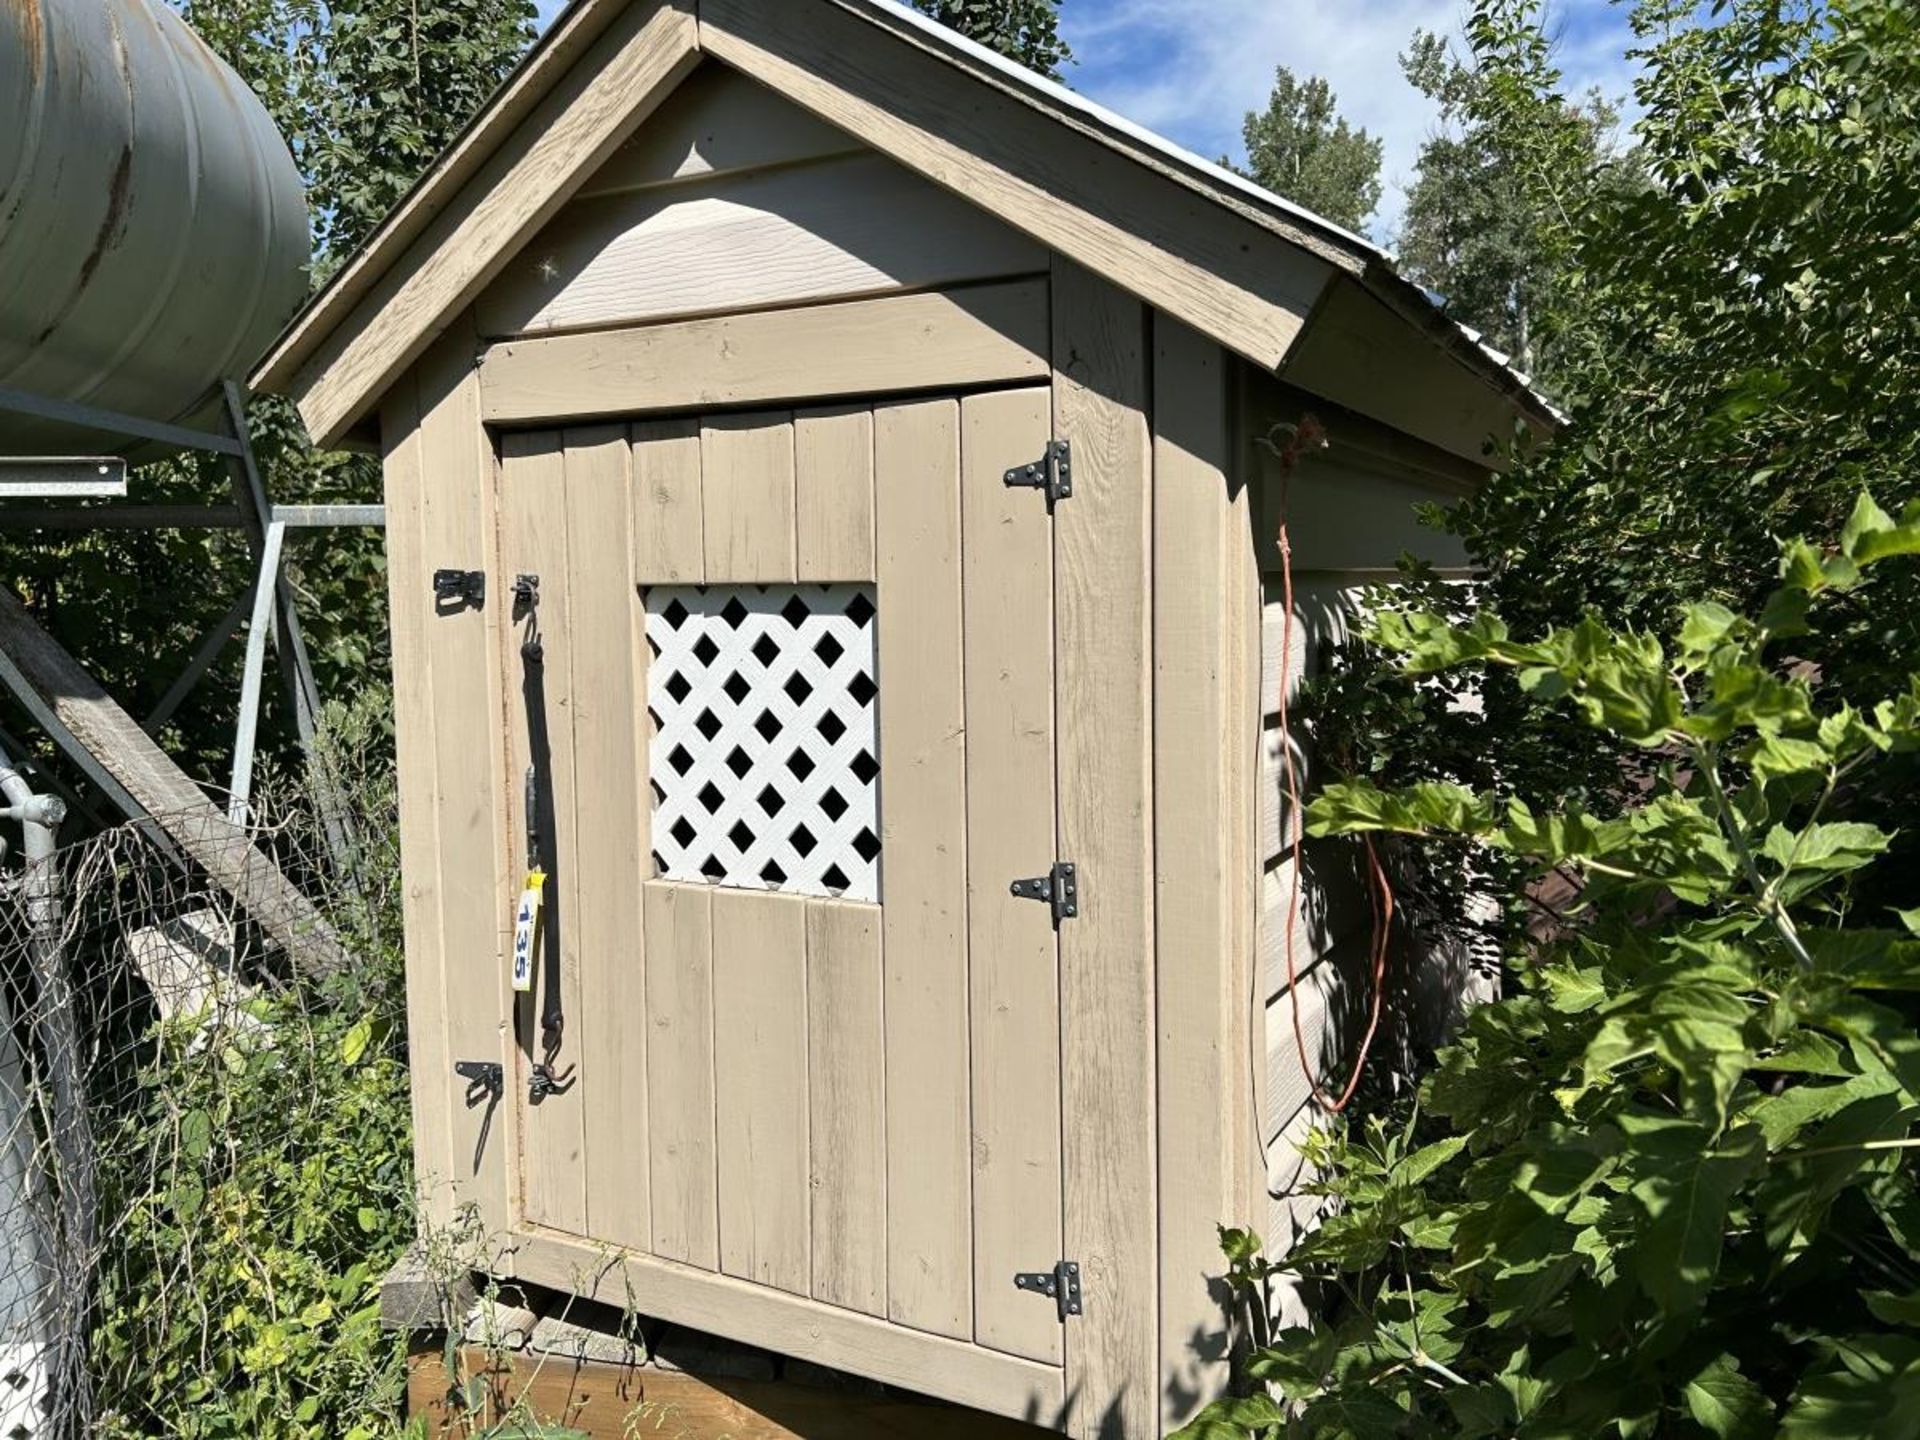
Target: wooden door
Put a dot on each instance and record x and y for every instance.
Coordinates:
(836, 1082)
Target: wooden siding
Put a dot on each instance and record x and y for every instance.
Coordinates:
(1350, 515)
(923, 828)
(1014, 995)
(1103, 633)
(440, 478)
(981, 335)
(538, 699)
(835, 229)
(718, 122)
(1199, 260)
(1205, 606)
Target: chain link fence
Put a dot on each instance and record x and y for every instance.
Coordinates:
(203, 1156)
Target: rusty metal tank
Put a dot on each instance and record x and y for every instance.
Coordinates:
(153, 229)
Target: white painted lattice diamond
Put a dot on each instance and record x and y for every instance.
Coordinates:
(765, 757)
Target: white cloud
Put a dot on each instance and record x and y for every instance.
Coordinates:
(1192, 70)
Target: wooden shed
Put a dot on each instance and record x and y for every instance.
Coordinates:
(830, 539)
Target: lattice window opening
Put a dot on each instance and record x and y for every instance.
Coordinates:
(765, 755)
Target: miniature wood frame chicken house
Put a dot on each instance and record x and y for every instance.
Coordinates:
(833, 553)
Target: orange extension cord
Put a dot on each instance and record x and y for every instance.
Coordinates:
(1308, 434)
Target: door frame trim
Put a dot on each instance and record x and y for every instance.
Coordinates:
(933, 340)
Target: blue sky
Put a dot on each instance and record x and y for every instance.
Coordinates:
(1191, 69)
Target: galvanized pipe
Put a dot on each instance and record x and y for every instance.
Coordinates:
(46, 1248)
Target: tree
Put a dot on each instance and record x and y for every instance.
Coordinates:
(1488, 217)
(366, 92)
(1301, 148)
(1665, 1185)
(1023, 30)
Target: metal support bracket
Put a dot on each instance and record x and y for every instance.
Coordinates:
(485, 1079)
(1060, 1285)
(1059, 889)
(1052, 473)
(453, 588)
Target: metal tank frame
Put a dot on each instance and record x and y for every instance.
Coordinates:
(266, 605)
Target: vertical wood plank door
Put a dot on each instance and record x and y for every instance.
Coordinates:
(829, 1093)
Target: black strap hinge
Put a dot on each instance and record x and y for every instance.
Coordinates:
(455, 588)
(1059, 889)
(1060, 1285)
(1052, 472)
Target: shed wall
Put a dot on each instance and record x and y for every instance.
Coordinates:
(1349, 512)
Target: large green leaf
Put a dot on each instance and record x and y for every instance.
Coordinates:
(1727, 1404)
(1686, 1181)
(1871, 1393)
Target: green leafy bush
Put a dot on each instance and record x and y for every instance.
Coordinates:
(1665, 1188)
(255, 1156)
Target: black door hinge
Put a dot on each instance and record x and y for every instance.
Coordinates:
(485, 1080)
(1059, 888)
(1060, 1284)
(455, 588)
(1052, 472)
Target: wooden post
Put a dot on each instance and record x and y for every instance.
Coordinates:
(1103, 567)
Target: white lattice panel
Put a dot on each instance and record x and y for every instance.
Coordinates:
(765, 756)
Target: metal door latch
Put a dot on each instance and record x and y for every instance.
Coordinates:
(1060, 1284)
(526, 606)
(1059, 888)
(486, 1081)
(1052, 472)
(459, 587)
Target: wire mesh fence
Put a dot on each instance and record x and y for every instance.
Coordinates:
(203, 1158)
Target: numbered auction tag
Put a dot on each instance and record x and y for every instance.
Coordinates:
(526, 930)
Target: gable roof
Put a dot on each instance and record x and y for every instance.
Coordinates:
(1208, 247)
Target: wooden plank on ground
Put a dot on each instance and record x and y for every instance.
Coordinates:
(1201, 808)
(1103, 569)
(923, 777)
(612, 813)
(533, 540)
(1014, 972)
(980, 335)
(760, 1086)
(680, 1064)
(846, 1076)
(669, 544)
(833, 493)
(746, 487)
